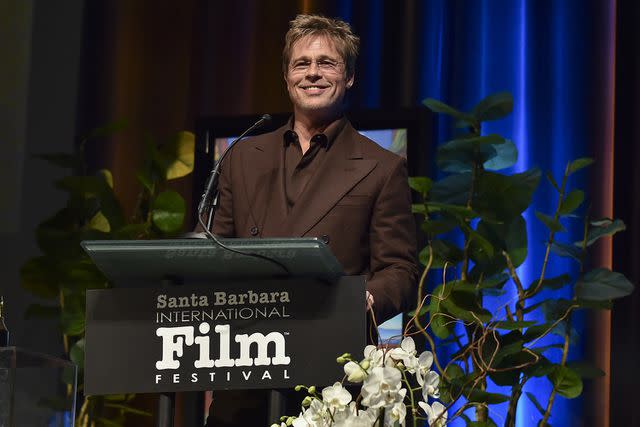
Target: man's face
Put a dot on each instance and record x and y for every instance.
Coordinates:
(316, 77)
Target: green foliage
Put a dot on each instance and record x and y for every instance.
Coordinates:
(475, 228)
(63, 272)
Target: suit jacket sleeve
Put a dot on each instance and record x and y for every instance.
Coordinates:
(394, 272)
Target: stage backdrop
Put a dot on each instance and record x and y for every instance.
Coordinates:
(160, 64)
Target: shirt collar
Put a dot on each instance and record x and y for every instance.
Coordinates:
(326, 138)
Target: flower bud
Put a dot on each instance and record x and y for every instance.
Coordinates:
(298, 387)
(341, 360)
(307, 401)
(365, 364)
(312, 389)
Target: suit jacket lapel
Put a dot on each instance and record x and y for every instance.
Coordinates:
(343, 167)
(263, 183)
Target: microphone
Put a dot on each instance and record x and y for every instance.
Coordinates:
(206, 200)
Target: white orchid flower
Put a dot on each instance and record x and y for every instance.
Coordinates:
(425, 361)
(436, 414)
(396, 413)
(355, 373)
(316, 415)
(350, 416)
(374, 355)
(381, 387)
(406, 353)
(336, 396)
(430, 385)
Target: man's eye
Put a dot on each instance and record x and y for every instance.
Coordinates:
(301, 64)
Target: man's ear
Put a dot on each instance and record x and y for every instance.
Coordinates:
(350, 81)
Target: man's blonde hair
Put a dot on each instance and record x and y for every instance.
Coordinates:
(336, 30)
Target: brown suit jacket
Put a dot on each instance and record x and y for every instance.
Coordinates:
(358, 202)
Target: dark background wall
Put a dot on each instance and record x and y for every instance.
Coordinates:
(68, 67)
(40, 46)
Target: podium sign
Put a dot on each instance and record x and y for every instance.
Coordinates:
(222, 334)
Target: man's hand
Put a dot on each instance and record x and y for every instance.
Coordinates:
(370, 301)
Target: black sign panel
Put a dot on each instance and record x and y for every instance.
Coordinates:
(231, 335)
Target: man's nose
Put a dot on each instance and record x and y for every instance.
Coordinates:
(313, 69)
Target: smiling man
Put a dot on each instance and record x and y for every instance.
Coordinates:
(318, 177)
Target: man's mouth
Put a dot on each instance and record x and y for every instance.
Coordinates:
(311, 89)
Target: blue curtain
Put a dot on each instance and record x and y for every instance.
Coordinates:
(554, 57)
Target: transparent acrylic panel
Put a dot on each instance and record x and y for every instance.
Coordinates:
(36, 389)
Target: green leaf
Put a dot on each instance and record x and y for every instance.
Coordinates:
(465, 306)
(578, 164)
(144, 178)
(493, 107)
(444, 252)
(551, 223)
(496, 281)
(535, 402)
(503, 197)
(603, 284)
(179, 155)
(556, 308)
(571, 202)
(460, 155)
(455, 210)
(76, 354)
(107, 176)
(452, 190)
(438, 226)
(601, 228)
(424, 310)
(421, 184)
(399, 143)
(481, 245)
(510, 345)
(510, 236)
(419, 208)
(533, 307)
(552, 181)
(506, 156)
(168, 211)
(557, 282)
(440, 107)
(537, 331)
(99, 222)
(541, 369)
(566, 382)
(441, 323)
(73, 323)
(95, 186)
(567, 251)
(512, 325)
(586, 370)
(480, 396)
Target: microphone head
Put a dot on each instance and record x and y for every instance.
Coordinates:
(266, 118)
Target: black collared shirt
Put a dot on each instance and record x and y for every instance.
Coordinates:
(299, 168)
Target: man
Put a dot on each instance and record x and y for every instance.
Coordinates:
(318, 177)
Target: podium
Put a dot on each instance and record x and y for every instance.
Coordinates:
(188, 315)
(36, 389)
